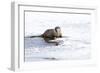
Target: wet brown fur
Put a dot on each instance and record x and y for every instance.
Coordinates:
(51, 34)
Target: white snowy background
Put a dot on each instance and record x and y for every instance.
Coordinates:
(75, 26)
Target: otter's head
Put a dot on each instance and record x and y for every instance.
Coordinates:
(58, 30)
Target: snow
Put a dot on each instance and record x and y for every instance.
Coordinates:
(75, 46)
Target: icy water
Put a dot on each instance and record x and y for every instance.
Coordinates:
(36, 49)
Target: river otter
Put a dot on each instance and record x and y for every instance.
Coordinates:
(51, 34)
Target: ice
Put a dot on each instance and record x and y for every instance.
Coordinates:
(77, 44)
(37, 49)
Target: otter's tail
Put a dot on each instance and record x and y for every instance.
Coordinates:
(33, 36)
